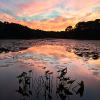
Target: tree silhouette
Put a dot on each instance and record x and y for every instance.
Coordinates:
(82, 30)
(69, 28)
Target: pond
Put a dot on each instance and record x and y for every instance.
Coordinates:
(50, 69)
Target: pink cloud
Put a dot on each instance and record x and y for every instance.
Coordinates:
(37, 7)
(81, 4)
(80, 10)
(6, 17)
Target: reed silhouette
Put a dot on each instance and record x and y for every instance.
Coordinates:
(44, 85)
(24, 80)
(66, 86)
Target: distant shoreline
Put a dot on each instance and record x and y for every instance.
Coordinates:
(46, 39)
(82, 31)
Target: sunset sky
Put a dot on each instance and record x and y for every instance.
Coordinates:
(49, 15)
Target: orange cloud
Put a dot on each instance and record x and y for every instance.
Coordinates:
(49, 15)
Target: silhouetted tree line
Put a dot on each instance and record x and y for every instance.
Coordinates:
(82, 30)
(85, 30)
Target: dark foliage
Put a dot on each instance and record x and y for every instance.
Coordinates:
(82, 30)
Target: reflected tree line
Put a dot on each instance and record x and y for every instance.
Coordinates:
(6, 50)
(86, 53)
(81, 52)
(43, 86)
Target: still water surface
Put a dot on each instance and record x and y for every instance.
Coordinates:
(49, 69)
